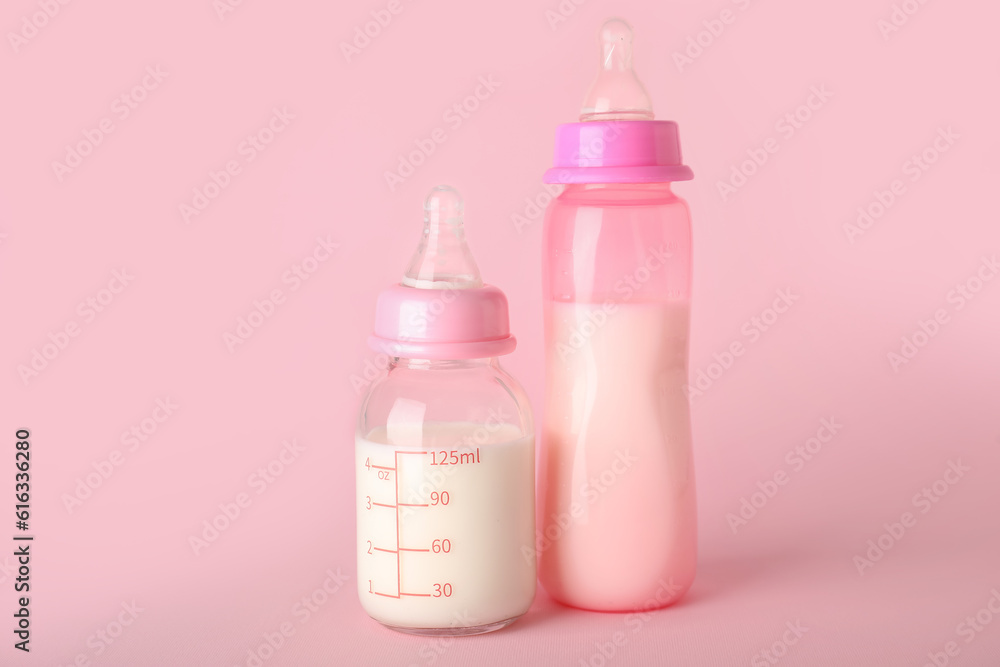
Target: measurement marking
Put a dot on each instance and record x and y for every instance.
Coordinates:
(421, 453)
(405, 549)
(395, 485)
(383, 505)
(388, 551)
(414, 505)
(382, 467)
(386, 595)
(417, 595)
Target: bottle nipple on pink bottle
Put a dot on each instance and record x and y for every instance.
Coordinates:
(617, 521)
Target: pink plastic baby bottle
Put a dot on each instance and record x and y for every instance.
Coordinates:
(617, 529)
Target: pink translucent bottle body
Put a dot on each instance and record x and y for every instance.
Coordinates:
(617, 520)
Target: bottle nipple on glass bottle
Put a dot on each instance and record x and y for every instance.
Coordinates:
(616, 93)
(443, 259)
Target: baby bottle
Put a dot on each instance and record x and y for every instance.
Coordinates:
(617, 518)
(445, 449)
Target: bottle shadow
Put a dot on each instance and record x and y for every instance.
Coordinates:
(719, 577)
(543, 610)
(716, 578)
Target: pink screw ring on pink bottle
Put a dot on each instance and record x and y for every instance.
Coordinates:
(618, 151)
(442, 309)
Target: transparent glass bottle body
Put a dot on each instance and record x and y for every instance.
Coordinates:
(617, 498)
(445, 483)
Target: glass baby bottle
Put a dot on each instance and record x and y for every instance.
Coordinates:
(445, 450)
(617, 495)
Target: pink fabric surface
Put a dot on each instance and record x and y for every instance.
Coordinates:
(187, 296)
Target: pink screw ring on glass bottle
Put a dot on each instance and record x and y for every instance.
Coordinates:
(617, 520)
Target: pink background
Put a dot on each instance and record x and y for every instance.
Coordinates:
(162, 336)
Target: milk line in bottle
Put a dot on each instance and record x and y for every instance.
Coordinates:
(444, 451)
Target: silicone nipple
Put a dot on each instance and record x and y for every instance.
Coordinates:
(443, 259)
(616, 93)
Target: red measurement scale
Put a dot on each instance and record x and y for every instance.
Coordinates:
(436, 499)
